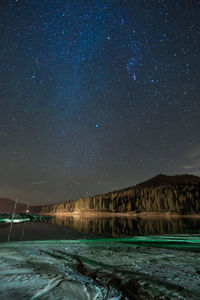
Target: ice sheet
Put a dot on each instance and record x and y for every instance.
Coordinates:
(135, 268)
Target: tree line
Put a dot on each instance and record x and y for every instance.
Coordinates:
(172, 198)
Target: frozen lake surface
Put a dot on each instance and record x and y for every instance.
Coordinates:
(101, 258)
(141, 267)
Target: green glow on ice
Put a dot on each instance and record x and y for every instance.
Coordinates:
(15, 220)
(137, 241)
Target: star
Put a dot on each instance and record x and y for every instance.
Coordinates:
(134, 76)
(86, 85)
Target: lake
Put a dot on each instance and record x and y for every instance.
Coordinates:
(79, 227)
(101, 258)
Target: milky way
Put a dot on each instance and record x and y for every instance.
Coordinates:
(96, 95)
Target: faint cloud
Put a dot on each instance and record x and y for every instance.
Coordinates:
(75, 182)
(195, 152)
(196, 173)
(193, 158)
(3, 134)
(37, 182)
(192, 166)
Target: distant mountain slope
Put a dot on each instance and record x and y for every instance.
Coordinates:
(177, 179)
(7, 206)
(178, 194)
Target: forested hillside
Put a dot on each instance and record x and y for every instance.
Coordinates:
(161, 194)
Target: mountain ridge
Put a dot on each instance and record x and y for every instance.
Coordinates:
(178, 194)
(162, 193)
(171, 179)
(7, 206)
(160, 179)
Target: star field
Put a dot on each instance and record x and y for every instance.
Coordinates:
(96, 95)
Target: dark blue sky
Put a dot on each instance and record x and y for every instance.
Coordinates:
(96, 95)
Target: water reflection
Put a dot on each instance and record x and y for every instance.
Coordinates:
(127, 226)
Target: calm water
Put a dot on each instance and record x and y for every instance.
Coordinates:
(85, 227)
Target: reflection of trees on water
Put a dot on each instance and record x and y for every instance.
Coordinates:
(122, 226)
(4, 225)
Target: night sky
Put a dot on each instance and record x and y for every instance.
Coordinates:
(96, 95)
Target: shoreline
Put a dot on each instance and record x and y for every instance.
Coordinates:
(118, 214)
